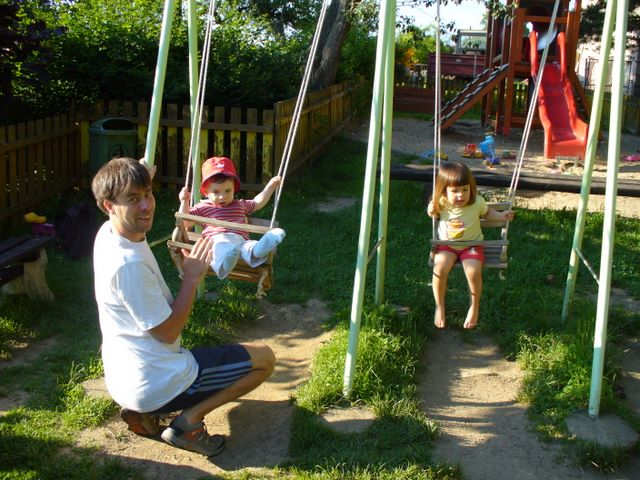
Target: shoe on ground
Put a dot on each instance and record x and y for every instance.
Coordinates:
(197, 440)
(145, 424)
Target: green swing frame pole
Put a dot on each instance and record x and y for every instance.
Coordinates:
(158, 82)
(192, 28)
(385, 165)
(589, 160)
(609, 226)
(385, 31)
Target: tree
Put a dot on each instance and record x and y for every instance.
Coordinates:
(23, 56)
(592, 21)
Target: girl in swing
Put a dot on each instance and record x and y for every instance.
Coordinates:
(458, 208)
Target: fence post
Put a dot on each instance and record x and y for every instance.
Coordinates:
(236, 118)
(278, 137)
(218, 117)
(268, 148)
(252, 119)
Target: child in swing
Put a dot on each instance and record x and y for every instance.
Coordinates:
(219, 185)
(458, 208)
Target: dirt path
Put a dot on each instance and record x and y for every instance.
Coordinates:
(257, 426)
(470, 390)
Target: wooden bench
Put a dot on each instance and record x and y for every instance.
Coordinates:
(23, 261)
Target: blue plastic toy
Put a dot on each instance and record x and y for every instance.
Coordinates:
(488, 150)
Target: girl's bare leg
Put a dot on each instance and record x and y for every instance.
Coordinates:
(473, 272)
(443, 262)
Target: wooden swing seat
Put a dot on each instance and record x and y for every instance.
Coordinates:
(495, 251)
(181, 239)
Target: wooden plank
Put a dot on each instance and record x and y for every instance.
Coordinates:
(23, 250)
(221, 223)
(528, 181)
(21, 180)
(218, 139)
(143, 127)
(63, 171)
(43, 162)
(236, 117)
(267, 148)
(56, 148)
(172, 142)
(186, 142)
(252, 146)
(27, 141)
(204, 140)
(4, 167)
(281, 126)
(126, 109)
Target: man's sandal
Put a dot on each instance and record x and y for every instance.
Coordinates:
(145, 424)
(196, 440)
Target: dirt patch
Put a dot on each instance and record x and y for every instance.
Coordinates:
(349, 420)
(258, 425)
(334, 204)
(13, 400)
(471, 391)
(26, 353)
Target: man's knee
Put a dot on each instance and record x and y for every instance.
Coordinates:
(262, 357)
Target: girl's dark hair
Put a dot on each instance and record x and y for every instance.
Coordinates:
(453, 174)
(117, 176)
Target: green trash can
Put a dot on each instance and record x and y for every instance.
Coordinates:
(109, 138)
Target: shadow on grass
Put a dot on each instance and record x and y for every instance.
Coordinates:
(390, 443)
(25, 456)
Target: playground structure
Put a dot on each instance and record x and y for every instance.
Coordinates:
(511, 57)
(564, 131)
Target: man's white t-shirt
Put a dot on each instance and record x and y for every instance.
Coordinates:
(141, 373)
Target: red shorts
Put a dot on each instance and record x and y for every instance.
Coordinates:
(475, 252)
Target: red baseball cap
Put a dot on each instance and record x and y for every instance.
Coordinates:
(218, 166)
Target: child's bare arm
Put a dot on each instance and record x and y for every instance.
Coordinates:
(264, 196)
(493, 214)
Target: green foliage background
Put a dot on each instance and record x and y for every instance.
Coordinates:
(108, 50)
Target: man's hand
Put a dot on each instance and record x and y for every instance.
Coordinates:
(150, 168)
(196, 262)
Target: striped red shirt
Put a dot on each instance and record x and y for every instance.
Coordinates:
(236, 212)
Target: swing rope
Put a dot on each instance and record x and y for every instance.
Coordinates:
(199, 107)
(302, 93)
(195, 137)
(436, 117)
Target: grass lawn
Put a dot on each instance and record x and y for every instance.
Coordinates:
(521, 313)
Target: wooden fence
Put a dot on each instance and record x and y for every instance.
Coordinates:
(38, 159)
(41, 158)
(630, 112)
(419, 98)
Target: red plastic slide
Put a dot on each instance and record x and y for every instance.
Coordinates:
(564, 132)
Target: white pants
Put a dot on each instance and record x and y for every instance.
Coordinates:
(224, 243)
